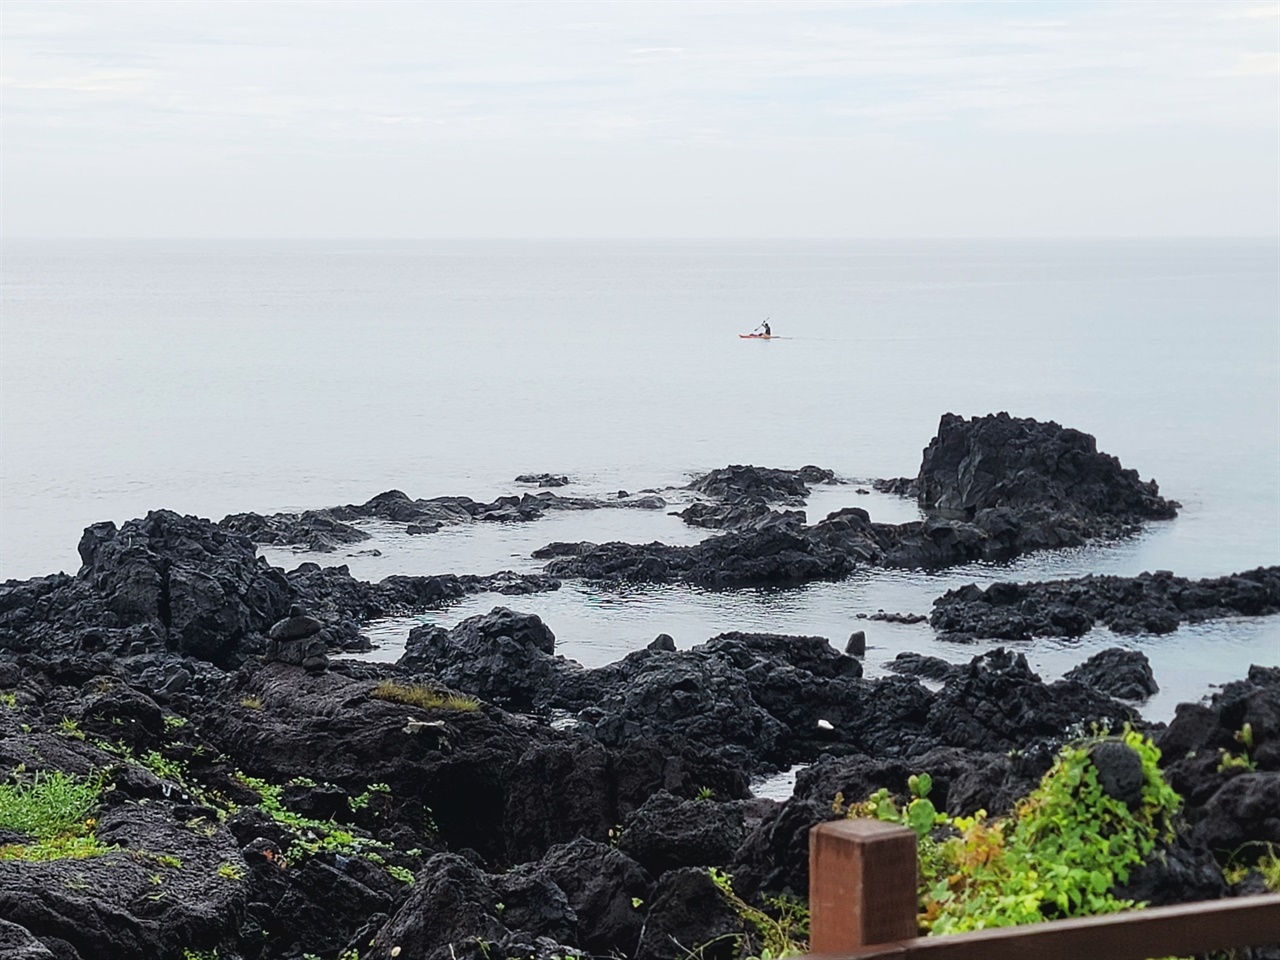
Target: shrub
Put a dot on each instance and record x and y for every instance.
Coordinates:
(1059, 854)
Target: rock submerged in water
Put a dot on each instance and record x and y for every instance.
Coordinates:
(316, 530)
(1155, 603)
(543, 479)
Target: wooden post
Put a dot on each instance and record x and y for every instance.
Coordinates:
(862, 885)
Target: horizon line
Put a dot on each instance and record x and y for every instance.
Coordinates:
(645, 239)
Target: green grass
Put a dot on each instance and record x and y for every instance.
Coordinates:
(417, 695)
(54, 809)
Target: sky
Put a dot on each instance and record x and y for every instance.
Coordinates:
(683, 120)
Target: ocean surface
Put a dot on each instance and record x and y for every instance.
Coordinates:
(219, 377)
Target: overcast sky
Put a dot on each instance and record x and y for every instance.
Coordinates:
(307, 119)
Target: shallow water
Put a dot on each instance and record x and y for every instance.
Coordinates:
(217, 377)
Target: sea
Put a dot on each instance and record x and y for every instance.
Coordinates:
(214, 377)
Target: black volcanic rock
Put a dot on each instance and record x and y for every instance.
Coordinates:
(926, 667)
(1200, 736)
(602, 885)
(316, 530)
(1124, 674)
(1148, 603)
(428, 516)
(667, 833)
(454, 903)
(688, 908)
(994, 487)
(740, 515)
(502, 656)
(543, 479)
(505, 821)
(776, 555)
(164, 582)
(999, 704)
(739, 482)
(1003, 461)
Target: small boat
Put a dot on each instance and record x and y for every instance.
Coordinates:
(756, 336)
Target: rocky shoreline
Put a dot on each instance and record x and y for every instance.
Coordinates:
(485, 797)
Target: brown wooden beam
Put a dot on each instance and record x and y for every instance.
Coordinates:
(862, 884)
(1135, 935)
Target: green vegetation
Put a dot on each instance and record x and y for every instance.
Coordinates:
(1241, 761)
(174, 722)
(231, 871)
(781, 933)
(1058, 854)
(403, 874)
(1257, 855)
(165, 769)
(69, 728)
(9, 699)
(251, 703)
(417, 695)
(314, 836)
(54, 809)
(360, 802)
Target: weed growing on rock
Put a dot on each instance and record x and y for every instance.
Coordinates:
(162, 767)
(314, 836)
(360, 802)
(251, 703)
(417, 695)
(1259, 855)
(1059, 854)
(783, 935)
(1241, 761)
(403, 874)
(69, 728)
(231, 871)
(54, 810)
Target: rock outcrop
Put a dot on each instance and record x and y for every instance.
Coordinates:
(191, 587)
(992, 487)
(995, 462)
(1150, 603)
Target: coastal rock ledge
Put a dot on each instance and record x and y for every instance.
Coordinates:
(992, 488)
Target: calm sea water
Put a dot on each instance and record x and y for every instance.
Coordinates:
(215, 377)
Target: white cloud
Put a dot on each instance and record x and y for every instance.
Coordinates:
(126, 86)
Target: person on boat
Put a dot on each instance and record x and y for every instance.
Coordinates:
(767, 331)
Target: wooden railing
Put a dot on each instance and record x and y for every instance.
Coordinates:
(862, 902)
